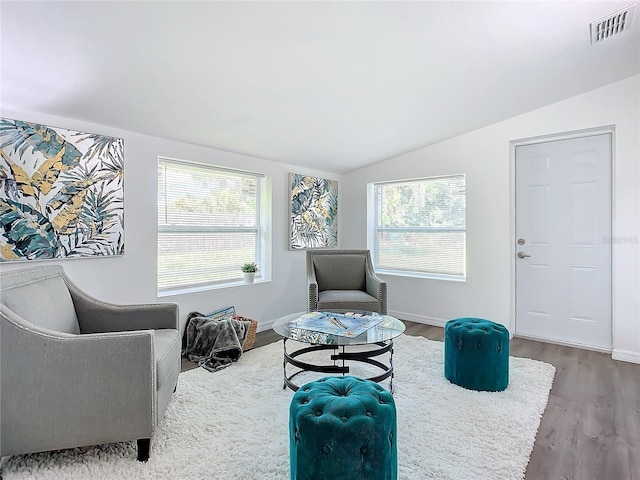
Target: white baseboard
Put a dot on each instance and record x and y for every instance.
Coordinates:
(626, 356)
(554, 341)
(265, 325)
(622, 355)
(424, 319)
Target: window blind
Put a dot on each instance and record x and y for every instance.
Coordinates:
(209, 224)
(420, 226)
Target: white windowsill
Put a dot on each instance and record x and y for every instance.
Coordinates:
(187, 291)
(428, 276)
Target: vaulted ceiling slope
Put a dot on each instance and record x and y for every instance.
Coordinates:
(327, 85)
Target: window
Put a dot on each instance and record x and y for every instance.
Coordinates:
(210, 222)
(419, 227)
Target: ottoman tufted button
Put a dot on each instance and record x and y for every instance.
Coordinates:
(318, 413)
(369, 414)
(326, 449)
(363, 449)
(344, 419)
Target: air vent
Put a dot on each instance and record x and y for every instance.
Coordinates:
(611, 25)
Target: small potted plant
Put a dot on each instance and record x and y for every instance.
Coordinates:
(249, 271)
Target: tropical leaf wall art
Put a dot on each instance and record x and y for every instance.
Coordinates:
(314, 210)
(61, 193)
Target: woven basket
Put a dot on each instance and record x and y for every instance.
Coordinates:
(250, 337)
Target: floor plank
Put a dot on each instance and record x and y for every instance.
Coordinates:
(590, 429)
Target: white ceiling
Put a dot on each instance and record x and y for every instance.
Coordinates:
(327, 85)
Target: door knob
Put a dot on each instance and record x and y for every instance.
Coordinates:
(523, 255)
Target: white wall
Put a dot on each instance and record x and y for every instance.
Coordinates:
(131, 278)
(484, 156)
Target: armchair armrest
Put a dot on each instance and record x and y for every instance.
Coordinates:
(312, 285)
(79, 385)
(376, 287)
(95, 316)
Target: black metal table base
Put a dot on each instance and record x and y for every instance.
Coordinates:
(342, 356)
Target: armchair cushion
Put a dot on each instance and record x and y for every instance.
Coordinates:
(166, 343)
(47, 300)
(340, 272)
(351, 299)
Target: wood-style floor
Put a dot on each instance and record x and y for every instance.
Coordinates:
(590, 429)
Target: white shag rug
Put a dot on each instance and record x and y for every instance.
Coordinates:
(233, 424)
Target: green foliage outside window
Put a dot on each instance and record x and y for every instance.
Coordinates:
(420, 226)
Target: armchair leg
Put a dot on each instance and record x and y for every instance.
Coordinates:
(143, 449)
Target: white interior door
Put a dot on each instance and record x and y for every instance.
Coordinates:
(563, 232)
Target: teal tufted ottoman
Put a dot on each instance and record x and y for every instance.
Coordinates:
(342, 428)
(476, 354)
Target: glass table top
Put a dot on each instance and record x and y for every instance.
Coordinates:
(388, 329)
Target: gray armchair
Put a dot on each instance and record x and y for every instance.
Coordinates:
(344, 280)
(76, 371)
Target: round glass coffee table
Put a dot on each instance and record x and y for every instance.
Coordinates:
(379, 336)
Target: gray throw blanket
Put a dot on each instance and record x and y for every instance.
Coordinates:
(213, 343)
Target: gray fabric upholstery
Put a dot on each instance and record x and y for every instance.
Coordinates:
(166, 343)
(66, 386)
(355, 299)
(54, 309)
(340, 272)
(344, 280)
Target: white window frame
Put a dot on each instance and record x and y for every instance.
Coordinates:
(373, 231)
(262, 230)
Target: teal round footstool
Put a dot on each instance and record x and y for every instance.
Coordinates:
(342, 428)
(476, 354)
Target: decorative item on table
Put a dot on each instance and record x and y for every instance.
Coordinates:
(307, 336)
(249, 272)
(341, 324)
